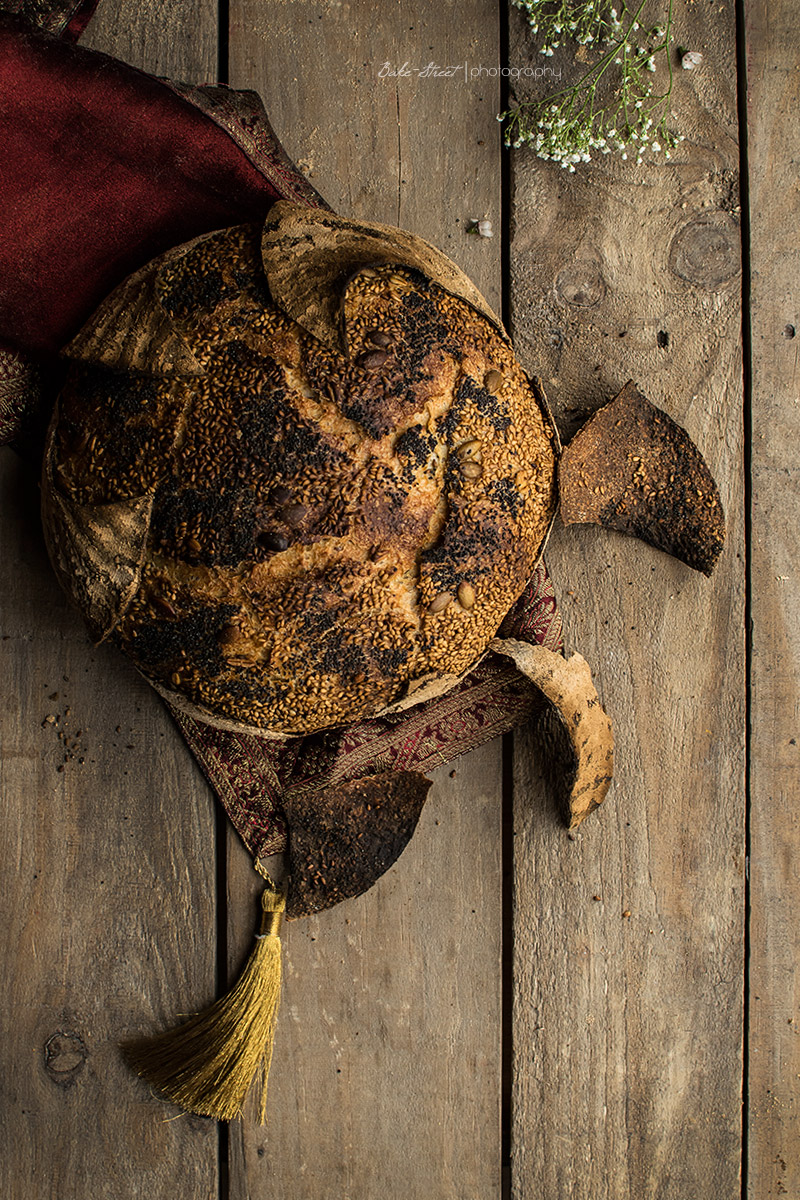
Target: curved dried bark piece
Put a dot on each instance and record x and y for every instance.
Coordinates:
(632, 468)
(96, 550)
(308, 254)
(131, 331)
(342, 839)
(575, 730)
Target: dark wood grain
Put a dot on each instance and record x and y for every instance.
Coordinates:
(108, 858)
(629, 948)
(629, 938)
(386, 1077)
(421, 153)
(385, 1080)
(773, 1168)
(109, 887)
(173, 38)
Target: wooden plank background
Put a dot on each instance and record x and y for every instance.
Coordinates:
(123, 891)
(107, 866)
(629, 939)
(397, 994)
(773, 1076)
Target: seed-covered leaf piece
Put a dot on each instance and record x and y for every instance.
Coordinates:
(575, 732)
(633, 469)
(309, 254)
(343, 839)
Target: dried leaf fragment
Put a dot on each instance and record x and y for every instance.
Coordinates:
(575, 731)
(633, 469)
(342, 839)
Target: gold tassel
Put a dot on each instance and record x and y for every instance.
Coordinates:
(206, 1066)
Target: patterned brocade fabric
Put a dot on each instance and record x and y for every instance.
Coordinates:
(250, 774)
(242, 115)
(66, 19)
(19, 394)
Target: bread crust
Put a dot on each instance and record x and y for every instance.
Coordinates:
(328, 525)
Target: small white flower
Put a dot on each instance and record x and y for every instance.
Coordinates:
(656, 146)
(691, 60)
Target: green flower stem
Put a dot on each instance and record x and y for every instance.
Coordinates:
(604, 63)
(569, 124)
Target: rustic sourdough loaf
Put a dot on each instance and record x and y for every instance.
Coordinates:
(287, 531)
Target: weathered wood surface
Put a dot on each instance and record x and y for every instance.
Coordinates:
(629, 939)
(773, 1168)
(390, 1037)
(628, 1008)
(108, 882)
(386, 1077)
(107, 864)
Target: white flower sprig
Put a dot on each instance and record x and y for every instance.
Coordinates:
(569, 125)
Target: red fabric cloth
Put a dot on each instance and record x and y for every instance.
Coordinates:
(103, 168)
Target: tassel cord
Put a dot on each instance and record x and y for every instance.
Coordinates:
(207, 1065)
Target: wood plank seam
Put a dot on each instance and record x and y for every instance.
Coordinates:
(747, 500)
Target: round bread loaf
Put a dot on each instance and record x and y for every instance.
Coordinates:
(287, 533)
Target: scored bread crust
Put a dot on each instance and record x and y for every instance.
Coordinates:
(329, 525)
